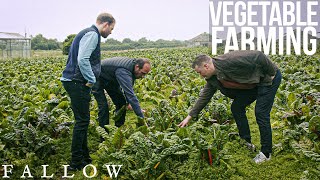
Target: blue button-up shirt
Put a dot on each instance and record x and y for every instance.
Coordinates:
(87, 45)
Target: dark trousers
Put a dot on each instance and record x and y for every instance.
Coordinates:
(264, 96)
(80, 100)
(117, 97)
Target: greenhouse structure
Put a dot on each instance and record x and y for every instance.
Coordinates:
(14, 45)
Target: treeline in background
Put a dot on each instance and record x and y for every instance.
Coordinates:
(39, 42)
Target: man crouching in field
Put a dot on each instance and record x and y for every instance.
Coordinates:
(117, 77)
(244, 76)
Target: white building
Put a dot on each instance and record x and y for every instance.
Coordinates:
(200, 40)
(14, 45)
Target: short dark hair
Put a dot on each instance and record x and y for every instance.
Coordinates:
(105, 17)
(141, 62)
(200, 59)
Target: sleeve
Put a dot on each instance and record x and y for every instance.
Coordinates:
(205, 96)
(87, 45)
(124, 78)
(268, 67)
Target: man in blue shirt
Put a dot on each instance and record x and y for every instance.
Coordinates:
(117, 78)
(82, 69)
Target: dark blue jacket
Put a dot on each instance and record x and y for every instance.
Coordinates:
(119, 72)
(72, 70)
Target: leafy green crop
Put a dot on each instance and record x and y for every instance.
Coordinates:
(36, 119)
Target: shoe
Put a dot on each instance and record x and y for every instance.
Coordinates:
(87, 160)
(74, 168)
(261, 158)
(248, 145)
(251, 147)
(77, 166)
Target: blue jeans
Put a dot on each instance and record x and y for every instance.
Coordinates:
(264, 97)
(80, 100)
(117, 97)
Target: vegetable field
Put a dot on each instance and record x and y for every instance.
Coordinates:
(36, 123)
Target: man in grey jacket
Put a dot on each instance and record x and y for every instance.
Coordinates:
(245, 76)
(117, 77)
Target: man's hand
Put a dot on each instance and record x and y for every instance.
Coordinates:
(129, 107)
(185, 121)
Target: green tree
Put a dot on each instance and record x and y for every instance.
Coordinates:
(41, 43)
(143, 40)
(67, 43)
(53, 44)
(112, 41)
(38, 42)
(127, 41)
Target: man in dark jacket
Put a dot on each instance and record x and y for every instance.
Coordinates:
(82, 69)
(245, 76)
(117, 77)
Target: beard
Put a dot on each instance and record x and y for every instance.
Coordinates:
(105, 35)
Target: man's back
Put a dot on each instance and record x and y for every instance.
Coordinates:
(244, 67)
(109, 66)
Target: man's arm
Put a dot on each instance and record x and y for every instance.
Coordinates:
(87, 45)
(268, 67)
(124, 78)
(205, 96)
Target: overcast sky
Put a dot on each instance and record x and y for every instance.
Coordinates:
(153, 19)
